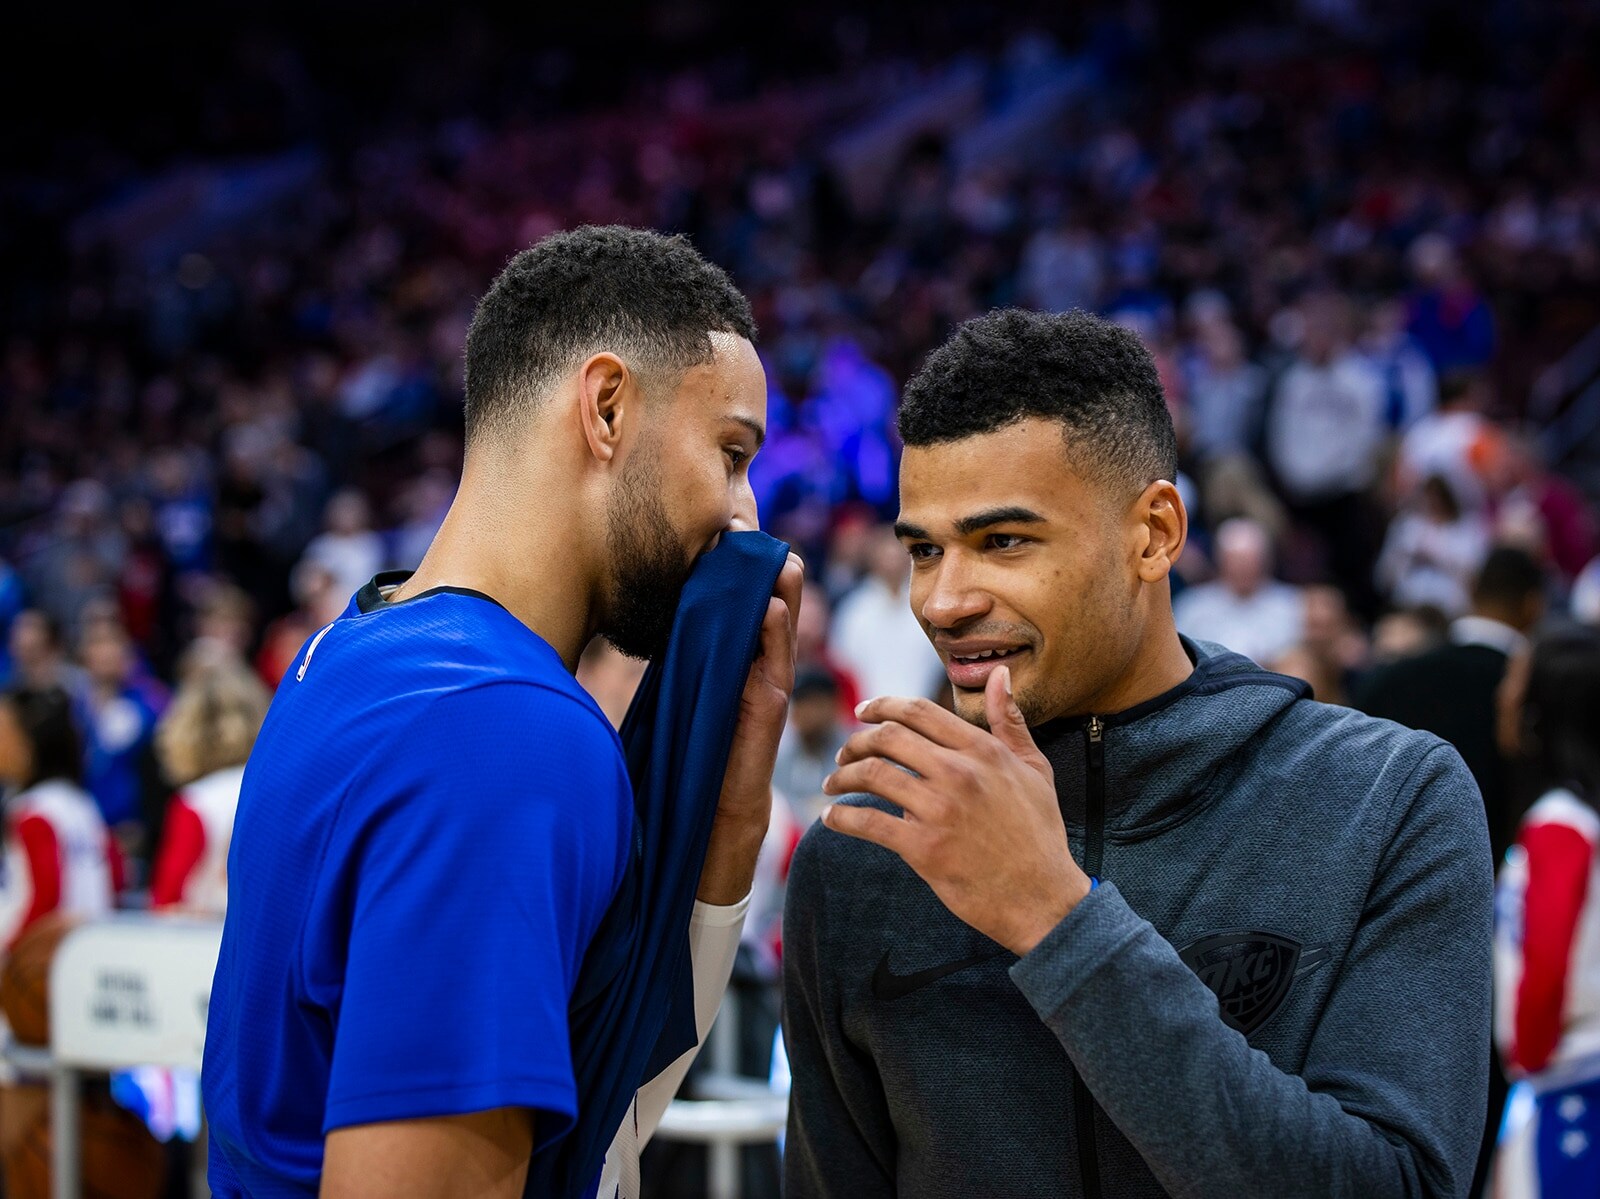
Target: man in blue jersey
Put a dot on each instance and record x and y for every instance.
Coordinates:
(437, 817)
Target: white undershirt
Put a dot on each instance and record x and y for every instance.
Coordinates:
(713, 944)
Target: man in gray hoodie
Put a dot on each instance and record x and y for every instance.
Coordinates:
(1140, 918)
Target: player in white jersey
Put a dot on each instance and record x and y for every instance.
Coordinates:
(1547, 929)
(58, 854)
(203, 742)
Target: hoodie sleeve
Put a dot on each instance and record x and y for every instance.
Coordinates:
(1392, 1095)
(840, 1142)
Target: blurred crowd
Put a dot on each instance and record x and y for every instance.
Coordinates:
(1351, 239)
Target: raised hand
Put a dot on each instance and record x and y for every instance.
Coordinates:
(745, 806)
(981, 822)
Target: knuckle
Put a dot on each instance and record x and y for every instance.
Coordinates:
(892, 735)
(873, 772)
(963, 773)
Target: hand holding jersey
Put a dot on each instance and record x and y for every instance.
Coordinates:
(744, 809)
(982, 826)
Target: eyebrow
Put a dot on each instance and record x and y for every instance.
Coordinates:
(968, 525)
(759, 433)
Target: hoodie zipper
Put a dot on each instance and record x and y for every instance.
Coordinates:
(1094, 820)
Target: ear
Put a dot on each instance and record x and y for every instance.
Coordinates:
(1161, 529)
(607, 403)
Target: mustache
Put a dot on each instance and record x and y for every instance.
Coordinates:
(997, 630)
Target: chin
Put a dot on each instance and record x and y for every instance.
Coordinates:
(970, 708)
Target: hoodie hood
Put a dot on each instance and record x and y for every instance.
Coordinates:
(1165, 758)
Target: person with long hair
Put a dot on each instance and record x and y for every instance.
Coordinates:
(1547, 925)
(203, 742)
(58, 853)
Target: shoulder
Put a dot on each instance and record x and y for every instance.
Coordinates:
(1365, 760)
(1369, 742)
(51, 799)
(534, 734)
(826, 862)
(1561, 807)
(501, 778)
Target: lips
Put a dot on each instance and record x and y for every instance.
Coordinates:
(971, 667)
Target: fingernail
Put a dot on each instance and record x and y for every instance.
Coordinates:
(838, 756)
(862, 707)
(826, 812)
(1005, 679)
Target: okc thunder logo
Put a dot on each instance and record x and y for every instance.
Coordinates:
(1250, 972)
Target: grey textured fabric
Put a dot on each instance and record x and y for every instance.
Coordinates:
(1343, 860)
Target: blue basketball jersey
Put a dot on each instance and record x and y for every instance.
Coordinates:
(433, 823)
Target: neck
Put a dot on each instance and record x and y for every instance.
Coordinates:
(1499, 616)
(533, 558)
(1159, 664)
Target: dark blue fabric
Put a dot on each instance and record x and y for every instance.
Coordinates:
(633, 1007)
(1568, 1142)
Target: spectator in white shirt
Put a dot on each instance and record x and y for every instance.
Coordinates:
(349, 549)
(1244, 609)
(1433, 551)
(1325, 434)
(875, 635)
(1452, 441)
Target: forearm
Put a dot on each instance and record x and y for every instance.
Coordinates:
(1210, 1114)
(730, 865)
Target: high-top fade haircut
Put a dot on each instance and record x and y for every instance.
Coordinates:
(649, 298)
(1094, 377)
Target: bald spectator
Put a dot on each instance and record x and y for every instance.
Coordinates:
(1244, 608)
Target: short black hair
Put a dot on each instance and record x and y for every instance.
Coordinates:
(642, 295)
(1561, 713)
(813, 682)
(1095, 377)
(1509, 578)
(45, 717)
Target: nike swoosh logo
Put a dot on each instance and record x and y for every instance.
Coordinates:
(1311, 959)
(888, 986)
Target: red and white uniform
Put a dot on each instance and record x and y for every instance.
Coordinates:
(191, 868)
(58, 857)
(1547, 1001)
(1547, 937)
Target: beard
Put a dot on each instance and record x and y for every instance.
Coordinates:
(649, 563)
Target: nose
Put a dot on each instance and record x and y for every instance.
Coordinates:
(953, 597)
(745, 517)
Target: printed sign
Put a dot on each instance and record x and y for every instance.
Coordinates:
(132, 990)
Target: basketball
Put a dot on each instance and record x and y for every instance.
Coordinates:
(120, 1159)
(25, 978)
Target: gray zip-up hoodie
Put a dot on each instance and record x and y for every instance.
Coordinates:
(1280, 988)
